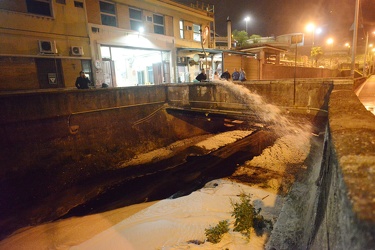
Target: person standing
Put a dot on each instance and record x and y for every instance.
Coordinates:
(235, 75)
(201, 77)
(82, 82)
(225, 75)
(242, 75)
(216, 76)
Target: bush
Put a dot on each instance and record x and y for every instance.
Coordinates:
(243, 213)
(214, 234)
(247, 217)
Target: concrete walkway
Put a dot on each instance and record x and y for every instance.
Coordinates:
(366, 94)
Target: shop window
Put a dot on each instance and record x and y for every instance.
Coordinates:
(108, 13)
(181, 26)
(197, 32)
(135, 19)
(158, 24)
(39, 7)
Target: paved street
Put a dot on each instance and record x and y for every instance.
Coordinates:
(366, 94)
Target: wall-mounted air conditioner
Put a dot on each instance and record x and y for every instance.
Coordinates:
(47, 47)
(76, 50)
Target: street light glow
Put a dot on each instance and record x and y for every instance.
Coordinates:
(318, 30)
(330, 41)
(310, 27)
(246, 20)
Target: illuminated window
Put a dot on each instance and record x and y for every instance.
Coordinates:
(197, 32)
(108, 13)
(182, 29)
(158, 24)
(39, 7)
(135, 19)
(105, 52)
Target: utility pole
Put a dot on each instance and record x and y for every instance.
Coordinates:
(355, 34)
(365, 59)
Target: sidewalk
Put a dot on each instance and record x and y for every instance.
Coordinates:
(366, 94)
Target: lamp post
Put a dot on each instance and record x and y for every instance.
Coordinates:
(348, 46)
(310, 27)
(365, 57)
(330, 43)
(246, 20)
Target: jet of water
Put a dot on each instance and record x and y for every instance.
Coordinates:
(266, 112)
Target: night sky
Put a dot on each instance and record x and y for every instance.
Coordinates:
(277, 17)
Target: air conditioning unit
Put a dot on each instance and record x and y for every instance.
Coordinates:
(76, 50)
(189, 28)
(47, 47)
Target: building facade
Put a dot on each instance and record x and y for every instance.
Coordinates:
(45, 43)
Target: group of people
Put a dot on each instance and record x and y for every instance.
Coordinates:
(236, 75)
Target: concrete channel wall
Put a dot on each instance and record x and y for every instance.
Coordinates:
(345, 217)
(54, 139)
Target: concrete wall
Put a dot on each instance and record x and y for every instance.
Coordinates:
(271, 71)
(54, 141)
(43, 116)
(347, 201)
(308, 96)
(332, 207)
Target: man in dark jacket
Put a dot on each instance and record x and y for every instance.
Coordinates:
(201, 77)
(225, 75)
(82, 81)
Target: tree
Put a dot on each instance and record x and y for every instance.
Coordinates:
(316, 53)
(241, 37)
(255, 38)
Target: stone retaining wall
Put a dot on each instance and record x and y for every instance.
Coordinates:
(347, 202)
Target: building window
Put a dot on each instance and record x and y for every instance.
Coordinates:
(108, 13)
(197, 32)
(158, 24)
(135, 19)
(61, 1)
(182, 35)
(78, 4)
(39, 7)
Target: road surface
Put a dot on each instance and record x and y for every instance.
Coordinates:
(366, 94)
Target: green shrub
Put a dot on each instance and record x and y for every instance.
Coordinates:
(246, 217)
(243, 214)
(214, 234)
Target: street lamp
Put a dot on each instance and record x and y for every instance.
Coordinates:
(330, 43)
(246, 20)
(348, 46)
(310, 27)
